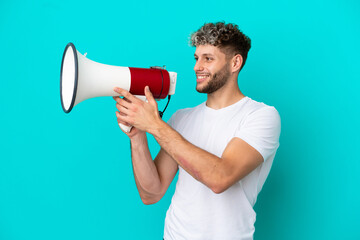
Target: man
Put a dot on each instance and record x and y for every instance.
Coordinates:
(223, 148)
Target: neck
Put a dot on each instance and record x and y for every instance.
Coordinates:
(225, 96)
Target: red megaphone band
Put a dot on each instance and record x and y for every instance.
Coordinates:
(158, 81)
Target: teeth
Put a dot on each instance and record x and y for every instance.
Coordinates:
(201, 77)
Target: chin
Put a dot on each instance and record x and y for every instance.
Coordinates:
(201, 86)
(200, 89)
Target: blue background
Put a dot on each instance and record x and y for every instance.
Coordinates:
(69, 176)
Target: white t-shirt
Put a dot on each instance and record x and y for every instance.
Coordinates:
(197, 213)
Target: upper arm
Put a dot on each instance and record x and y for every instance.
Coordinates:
(167, 169)
(253, 143)
(239, 159)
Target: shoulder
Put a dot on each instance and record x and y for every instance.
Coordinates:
(260, 128)
(259, 110)
(261, 121)
(259, 118)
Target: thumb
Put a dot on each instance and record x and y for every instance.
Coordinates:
(149, 96)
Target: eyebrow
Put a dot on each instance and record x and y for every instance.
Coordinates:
(205, 54)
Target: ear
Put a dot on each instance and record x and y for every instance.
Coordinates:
(236, 63)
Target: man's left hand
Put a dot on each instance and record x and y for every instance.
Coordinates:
(140, 114)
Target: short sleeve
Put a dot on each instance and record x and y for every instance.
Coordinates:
(261, 130)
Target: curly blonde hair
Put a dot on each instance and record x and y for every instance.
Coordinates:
(227, 37)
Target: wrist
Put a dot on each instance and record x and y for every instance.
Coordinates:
(159, 125)
(138, 139)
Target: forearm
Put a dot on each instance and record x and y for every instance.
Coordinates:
(202, 165)
(145, 172)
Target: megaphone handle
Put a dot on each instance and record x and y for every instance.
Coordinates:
(125, 128)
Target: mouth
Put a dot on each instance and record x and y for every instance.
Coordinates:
(201, 77)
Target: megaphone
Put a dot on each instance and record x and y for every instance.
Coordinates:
(82, 78)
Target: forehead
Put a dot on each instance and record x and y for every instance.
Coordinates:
(208, 50)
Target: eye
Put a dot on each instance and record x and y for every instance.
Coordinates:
(208, 59)
(196, 59)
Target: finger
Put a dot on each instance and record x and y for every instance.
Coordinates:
(122, 114)
(117, 97)
(123, 102)
(127, 99)
(119, 116)
(149, 95)
(126, 94)
(123, 109)
(123, 119)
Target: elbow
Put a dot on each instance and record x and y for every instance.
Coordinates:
(149, 200)
(150, 196)
(220, 186)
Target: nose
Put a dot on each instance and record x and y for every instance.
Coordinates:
(198, 66)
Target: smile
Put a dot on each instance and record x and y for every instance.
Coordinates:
(201, 78)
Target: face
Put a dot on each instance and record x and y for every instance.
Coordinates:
(211, 68)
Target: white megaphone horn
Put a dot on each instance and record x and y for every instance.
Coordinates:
(82, 78)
